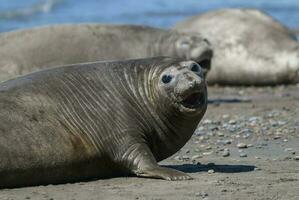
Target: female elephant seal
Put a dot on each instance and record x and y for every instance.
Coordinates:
(29, 50)
(250, 47)
(98, 119)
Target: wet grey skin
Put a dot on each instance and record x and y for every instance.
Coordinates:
(98, 120)
(30, 50)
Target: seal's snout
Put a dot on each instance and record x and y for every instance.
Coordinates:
(192, 90)
(185, 85)
(191, 86)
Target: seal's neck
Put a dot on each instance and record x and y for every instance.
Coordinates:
(172, 129)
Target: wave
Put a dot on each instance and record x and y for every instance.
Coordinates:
(39, 7)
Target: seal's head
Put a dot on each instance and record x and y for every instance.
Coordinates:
(184, 88)
(188, 46)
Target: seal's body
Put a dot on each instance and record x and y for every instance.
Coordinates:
(99, 120)
(29, 50)
(250, 47)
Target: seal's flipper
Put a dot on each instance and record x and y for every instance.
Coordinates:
(163, 173)
(140, 161)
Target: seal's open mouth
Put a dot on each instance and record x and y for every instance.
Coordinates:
(194, 100)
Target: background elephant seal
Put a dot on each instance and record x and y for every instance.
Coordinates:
(98, 119)
(29, 50)
(250, 47)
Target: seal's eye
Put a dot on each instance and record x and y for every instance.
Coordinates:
(166, 78)
(195, 67)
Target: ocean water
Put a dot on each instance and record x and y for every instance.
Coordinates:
(17, 14)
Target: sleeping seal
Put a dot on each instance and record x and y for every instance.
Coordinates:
(98, 120)
(250, 47)
(29, 50)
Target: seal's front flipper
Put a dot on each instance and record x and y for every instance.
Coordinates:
(139, 160)
(164, 173)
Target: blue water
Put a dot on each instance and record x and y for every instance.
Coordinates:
(16, 14)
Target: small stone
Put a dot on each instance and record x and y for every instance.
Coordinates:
(249, 145)
(227, 141)
(195, 157)
(296, 158)
(232, 121)
(185, 157)
(208, 147)
(27, 198)
(242, 145)
(285, 140)
(178, 158)
(207, 153)
(187, 151)
(276, 137)
(199, 194)
(243, 155)
(207, 121)
(225, 116)
(225, 153)
(288, 149)
(211, 171)
(200, 131)
(220, 134)
(257, 169)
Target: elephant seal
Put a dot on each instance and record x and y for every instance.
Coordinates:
(25, 51)
(97, 120)
(250, 47)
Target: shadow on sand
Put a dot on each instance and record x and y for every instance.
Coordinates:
(228, 100)
(194, 168)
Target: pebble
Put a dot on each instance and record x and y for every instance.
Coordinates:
(207, 121)
(199, 131)
(296, 158)
(225, 153)
(211, 171)
(249, 145)
(178, 158)
(242, 145)
(196, 156)
(185, 157)
(220, 134)
(232, 121)
(225, 116)
(207, 153)
(199, 194)
(224, 142)
(208, 148)
(242, 155)
(277, 137)
(288, 149)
